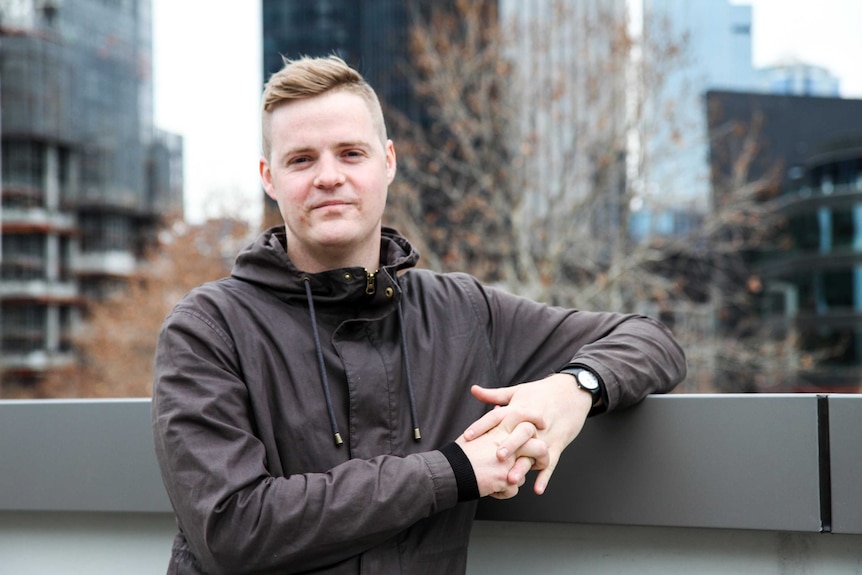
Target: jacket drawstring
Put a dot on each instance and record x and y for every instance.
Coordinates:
(332, 421)
(417, 434)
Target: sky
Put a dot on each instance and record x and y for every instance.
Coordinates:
(207, 82)
(827, 33)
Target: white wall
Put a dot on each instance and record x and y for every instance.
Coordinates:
(73, 543)
(558, 548)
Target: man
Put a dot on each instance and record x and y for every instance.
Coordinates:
(308, 410)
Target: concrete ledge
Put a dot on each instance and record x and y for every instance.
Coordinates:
(726, 461)
(79, 455)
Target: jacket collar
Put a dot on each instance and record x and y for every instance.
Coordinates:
(265, 263)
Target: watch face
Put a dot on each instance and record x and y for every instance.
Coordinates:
(588, 380)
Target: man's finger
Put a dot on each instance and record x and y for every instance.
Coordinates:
(507, 493)
(521, 434)
(538, 451)
(533, 455)
(484, 424)
(544, 477)
(518, 474)
(495, 396)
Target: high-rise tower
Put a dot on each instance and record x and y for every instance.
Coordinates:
(85, 175)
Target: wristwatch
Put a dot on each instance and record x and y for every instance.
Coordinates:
(587, 380)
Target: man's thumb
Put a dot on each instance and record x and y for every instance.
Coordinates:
(494, 396)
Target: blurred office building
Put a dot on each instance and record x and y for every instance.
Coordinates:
(371, 35)
(85, 175)
(810, 281)
(715, 38)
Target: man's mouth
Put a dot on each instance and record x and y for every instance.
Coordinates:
(329, 204)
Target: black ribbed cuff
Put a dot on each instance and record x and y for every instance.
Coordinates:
(465, 478)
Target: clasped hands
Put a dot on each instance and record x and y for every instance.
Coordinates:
(530, 426)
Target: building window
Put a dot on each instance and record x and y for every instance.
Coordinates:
(66, 273)
(23, 257)
(838, 289)
(23, 327)
(64, 172)
(23, 174)
(67, 326)
(842, 229)
(106, 232)
(805, 230)
(94, 172)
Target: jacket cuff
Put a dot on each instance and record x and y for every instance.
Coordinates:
(465, 478)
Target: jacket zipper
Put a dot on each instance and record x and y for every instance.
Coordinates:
(369, 282)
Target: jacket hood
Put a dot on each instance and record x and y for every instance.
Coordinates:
(265, 263)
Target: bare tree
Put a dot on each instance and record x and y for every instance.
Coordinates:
(534, 151)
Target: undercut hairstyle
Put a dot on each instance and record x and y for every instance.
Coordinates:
(308, 77)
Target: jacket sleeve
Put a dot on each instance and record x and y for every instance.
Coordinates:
(237, 517)
(633, 354)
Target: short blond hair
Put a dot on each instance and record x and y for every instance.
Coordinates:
(308, 77)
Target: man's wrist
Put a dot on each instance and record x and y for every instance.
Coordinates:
(589, 381)
(465, 476)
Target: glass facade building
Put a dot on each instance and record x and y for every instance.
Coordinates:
(85, 176)
(716, 40)
(370, 35)
(824, 270)
(814, 282)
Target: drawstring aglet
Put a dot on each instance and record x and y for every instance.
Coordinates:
(417, 435)
(338, 440)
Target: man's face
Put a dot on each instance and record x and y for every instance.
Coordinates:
(329, 173)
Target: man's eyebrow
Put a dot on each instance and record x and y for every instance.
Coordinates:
(353, 144)
(295, 151)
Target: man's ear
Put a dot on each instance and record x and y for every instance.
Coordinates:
(391, 163)
(266, 177)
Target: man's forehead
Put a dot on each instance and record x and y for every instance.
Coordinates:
(325, 112)
(338, 117)
(332, 100)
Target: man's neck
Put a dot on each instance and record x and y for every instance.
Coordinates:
(331, 260)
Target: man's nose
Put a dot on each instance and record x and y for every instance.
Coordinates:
(329, 173)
